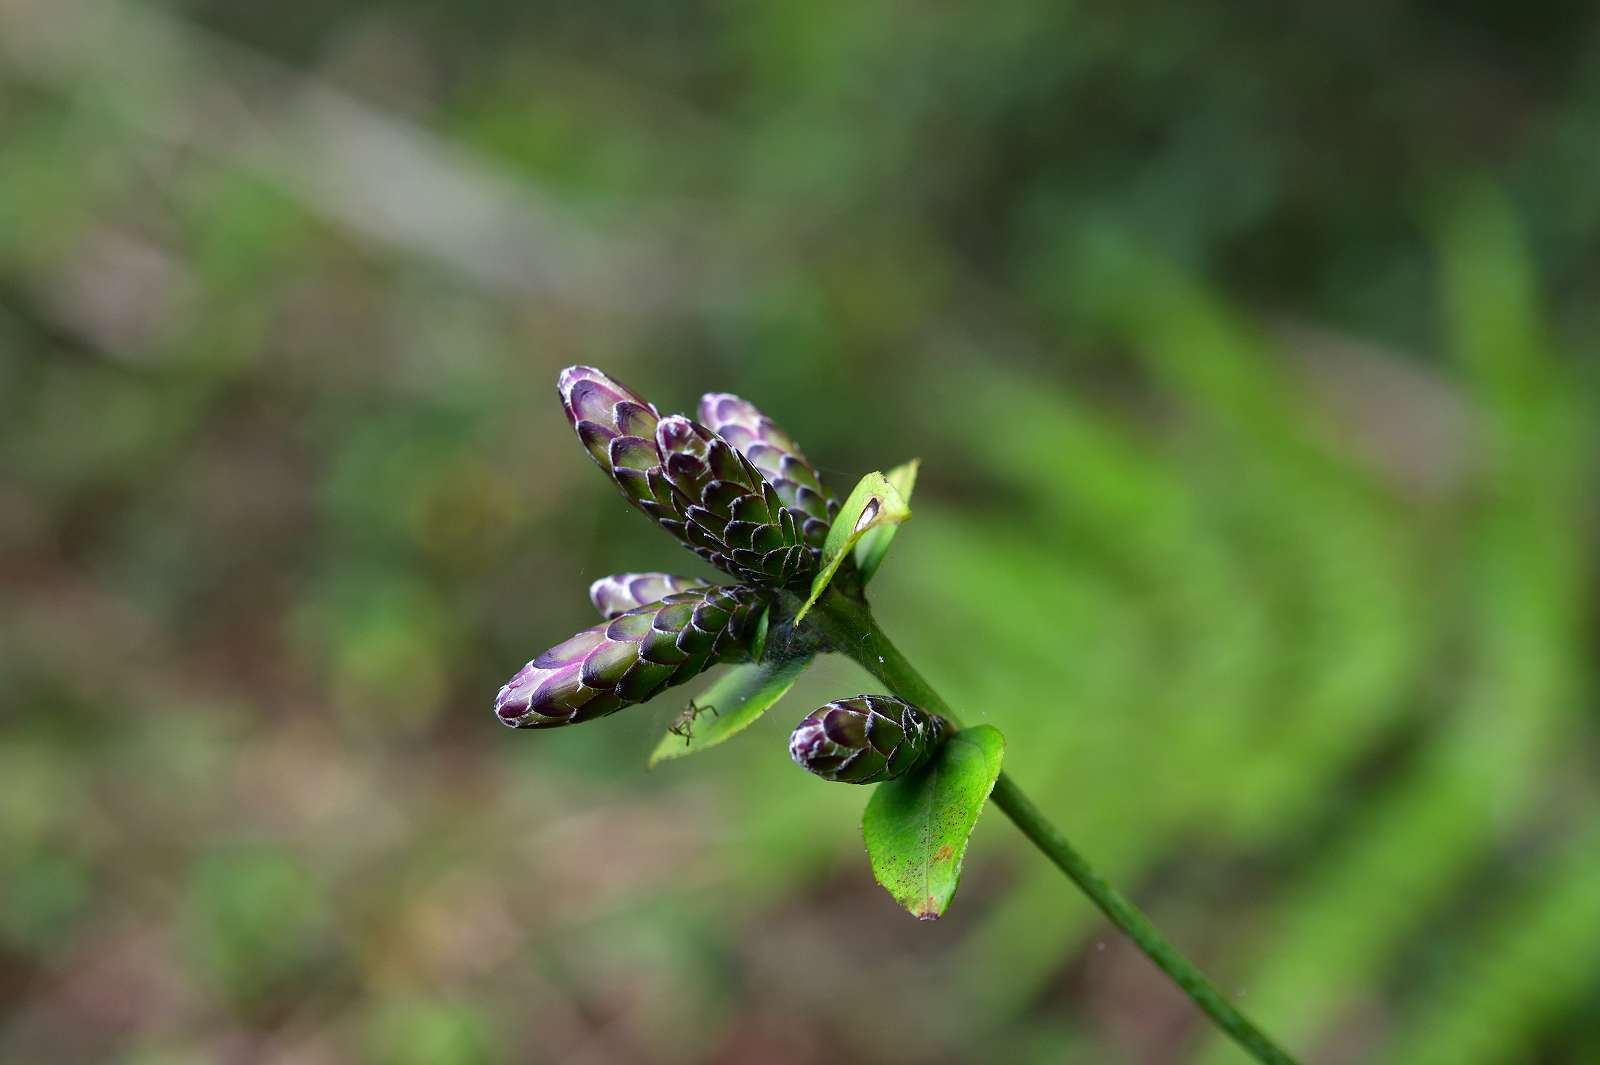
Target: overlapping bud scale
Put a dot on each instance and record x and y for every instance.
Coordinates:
(604, 411)
(691, 481)
(779, 459)
(622, 592)
(733, 518)
(866, 739)
(632, 657)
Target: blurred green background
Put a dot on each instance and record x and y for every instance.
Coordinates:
(1250, 352)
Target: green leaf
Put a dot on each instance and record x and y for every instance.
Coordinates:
(738, 698)
(917, 827)
(875, 544)
(758, 644)
(874, 503)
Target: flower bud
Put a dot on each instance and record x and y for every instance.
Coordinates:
(865, 739)
(775, 454)
(604, 411)
(632, 657)
(622, 592)
(732, 518)
(691, 481)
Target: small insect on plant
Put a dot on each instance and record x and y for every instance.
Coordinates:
(736, 491)
(683, 724)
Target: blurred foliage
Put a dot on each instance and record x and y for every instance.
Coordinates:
(1250, 353)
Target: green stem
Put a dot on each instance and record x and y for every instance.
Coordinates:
(850, 627)
(1128, 917)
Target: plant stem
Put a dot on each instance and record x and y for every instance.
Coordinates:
(1128, 917)
(850, 627)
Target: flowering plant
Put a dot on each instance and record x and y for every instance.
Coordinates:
(738, 492)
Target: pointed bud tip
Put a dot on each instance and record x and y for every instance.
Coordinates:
(508, 708)
(803, 742)
(714, 402)
(569, 380)
(573, 374)
(724, 409)
(678, 433)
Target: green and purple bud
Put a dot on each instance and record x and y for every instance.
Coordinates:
(621, 592)
(773, 452)
(733, 518)
(604, 411)
(690, 481)
(617, 426)
(632, 657)
(865, 739)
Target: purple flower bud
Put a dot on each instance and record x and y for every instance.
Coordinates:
(732, 517)
(604, 411)
(632, 657)
(775, 454)
(690, 481)
(865, 739)
(622, 592)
